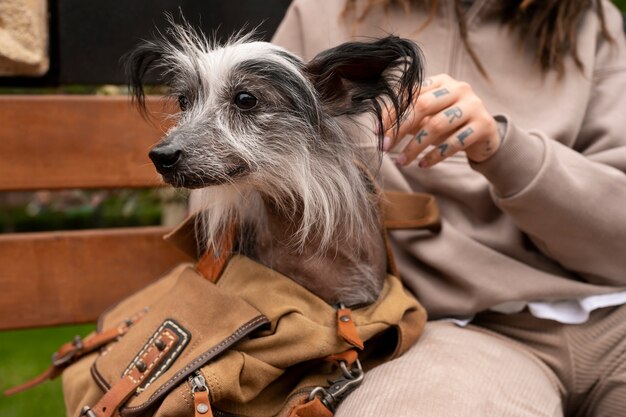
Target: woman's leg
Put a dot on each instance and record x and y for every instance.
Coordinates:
(454, 371)
(598, 352)
(589, 358)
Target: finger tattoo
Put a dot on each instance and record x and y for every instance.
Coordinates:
(441, 92)
(453, 113)
(442, 148)
(464, 135)
(421, 135)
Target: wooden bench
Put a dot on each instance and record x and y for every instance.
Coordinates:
(68, 142)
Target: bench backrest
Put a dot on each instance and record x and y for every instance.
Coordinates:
(87, 142)
(67, 142)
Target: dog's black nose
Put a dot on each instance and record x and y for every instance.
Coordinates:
(165, 157)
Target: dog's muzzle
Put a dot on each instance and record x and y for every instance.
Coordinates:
(176, 170)
(165, 157)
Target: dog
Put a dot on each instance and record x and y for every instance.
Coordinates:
(266, 138)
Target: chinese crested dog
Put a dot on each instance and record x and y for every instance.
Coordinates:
(265, 137)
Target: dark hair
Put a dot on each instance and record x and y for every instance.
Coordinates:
(359, 77)
(550, 25)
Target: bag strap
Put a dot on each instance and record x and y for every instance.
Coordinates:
(400, 210)
(202, 404)
(69, 352)
(346, 329)
(212, 263)
(323, 401)
(410, 211)
(313, 408)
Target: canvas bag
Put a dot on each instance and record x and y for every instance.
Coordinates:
(254, 343)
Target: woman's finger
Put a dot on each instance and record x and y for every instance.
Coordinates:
(389, 117)
(428, 104)
(462, 138)
(434, 130)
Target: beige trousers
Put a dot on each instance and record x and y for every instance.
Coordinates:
(504, 365)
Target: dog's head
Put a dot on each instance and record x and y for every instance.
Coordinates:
(251, 110)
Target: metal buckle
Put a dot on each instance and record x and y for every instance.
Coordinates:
(69, 356)
(87, 412)
(339, 389)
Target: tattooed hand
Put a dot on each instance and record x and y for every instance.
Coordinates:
(448, 115)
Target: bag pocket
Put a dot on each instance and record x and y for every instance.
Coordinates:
(189, 325)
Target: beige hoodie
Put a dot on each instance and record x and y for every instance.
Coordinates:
(545, 217)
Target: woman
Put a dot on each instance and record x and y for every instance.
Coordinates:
(520, 132)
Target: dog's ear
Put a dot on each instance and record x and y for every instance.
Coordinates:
(139, 64)
(358, 77)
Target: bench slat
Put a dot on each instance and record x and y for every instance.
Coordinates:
(55, 142)
(100, 267)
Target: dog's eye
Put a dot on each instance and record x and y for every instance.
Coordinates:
(183, 103)
(245, 101)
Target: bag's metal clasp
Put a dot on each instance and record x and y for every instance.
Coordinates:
(58, 361)
(87, 412)
(339, 389)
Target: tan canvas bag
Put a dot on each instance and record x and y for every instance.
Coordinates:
(252, 343)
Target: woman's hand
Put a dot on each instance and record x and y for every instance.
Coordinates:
(449, 116)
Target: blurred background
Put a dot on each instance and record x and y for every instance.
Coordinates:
(86, 40)
(73, 47)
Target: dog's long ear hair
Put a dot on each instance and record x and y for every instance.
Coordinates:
(158, 60)
(359, 77)
(139, 65)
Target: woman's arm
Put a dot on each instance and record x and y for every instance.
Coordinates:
(571, 201)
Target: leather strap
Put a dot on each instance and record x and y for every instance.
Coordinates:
(201, 404)
(346, 328)
(400, 211)
(410, 211)
(49, 374)
(212, 263)
(134, 376)
(69, 352)
(350, 356)
(313, 408)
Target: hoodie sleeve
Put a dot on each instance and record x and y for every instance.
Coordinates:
(572, 201)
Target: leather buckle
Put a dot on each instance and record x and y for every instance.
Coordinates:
(59, 361)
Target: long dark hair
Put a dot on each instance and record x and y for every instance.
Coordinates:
(550, 24)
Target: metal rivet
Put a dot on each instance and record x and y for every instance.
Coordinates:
(160, 344)
(141, 367)
(202, 408)
(78, 342)
(345, 319)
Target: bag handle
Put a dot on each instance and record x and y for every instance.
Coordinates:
(69, 352)
(400, 210)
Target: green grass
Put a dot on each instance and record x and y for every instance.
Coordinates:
(25, 354)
